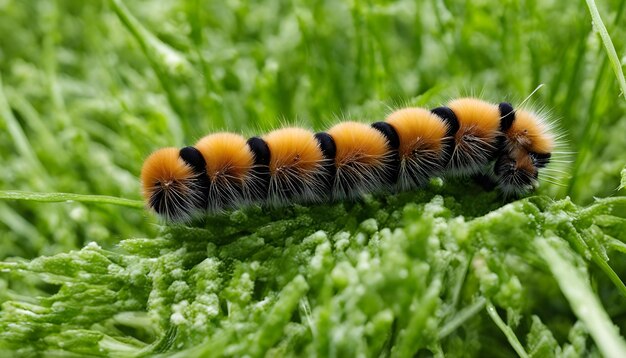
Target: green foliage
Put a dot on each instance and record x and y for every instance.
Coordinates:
(391, 275)
(88, 89)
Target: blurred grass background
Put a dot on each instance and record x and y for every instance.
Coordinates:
(88, 89)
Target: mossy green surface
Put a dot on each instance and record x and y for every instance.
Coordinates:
(88, 89)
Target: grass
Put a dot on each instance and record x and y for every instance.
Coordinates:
(87, 90)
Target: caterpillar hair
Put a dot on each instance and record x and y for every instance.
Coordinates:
(296, 166)
(527, 148)
(174, 183)
(477, 139)
(467, 137)
(363, 160)
(229, 163)
(424, 143)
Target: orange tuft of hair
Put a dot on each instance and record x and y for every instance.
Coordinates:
(226, 154)
(358, 142)
(163, 168)
(530, 132)
(417, 128)
(295, 148)
(477, 117)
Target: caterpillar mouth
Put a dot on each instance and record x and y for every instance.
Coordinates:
(515, 177)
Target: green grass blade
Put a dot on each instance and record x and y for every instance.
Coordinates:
(583, 301)
(465, 314)
(161, 57)
(608, 44)
(508, 332)
(593, 124)
(67, 197)
(17, 133)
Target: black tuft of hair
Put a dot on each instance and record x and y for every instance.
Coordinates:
(507, 116)
(389, 133)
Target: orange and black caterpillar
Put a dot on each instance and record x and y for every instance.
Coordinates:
(467, 137)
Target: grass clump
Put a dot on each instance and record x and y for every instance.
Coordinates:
(88, 89)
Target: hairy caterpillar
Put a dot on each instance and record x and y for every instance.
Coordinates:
(466, 137)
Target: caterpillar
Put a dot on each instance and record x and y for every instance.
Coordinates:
(466, 137)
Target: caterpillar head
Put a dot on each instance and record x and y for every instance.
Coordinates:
(173, 184)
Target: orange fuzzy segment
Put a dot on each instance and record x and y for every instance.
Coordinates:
(226, 154)
(529, 132)
(163, 167)
(293, 148)
(476, 117)
(358, 142)
(417, 128)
